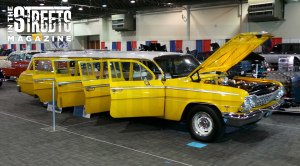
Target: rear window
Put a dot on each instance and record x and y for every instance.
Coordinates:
(65, 68)
(43, 66)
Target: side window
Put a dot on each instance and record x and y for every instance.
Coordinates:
(140, 73)
(12, 57)
(115, 69)
(21, 57)
(27, 57)
(66, 68)
(94, 71)
(43, 67)
(129, 71)
(153, 68)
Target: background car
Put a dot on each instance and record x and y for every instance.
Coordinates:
(19, 62)
(282, 50)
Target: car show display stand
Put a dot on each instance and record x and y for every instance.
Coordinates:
(50, 107)
(80, 111)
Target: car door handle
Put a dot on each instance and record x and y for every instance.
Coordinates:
(89, 88)
(62, 85)
(117, 90)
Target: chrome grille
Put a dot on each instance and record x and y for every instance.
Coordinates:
(264, 99)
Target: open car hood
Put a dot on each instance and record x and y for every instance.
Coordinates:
(232, 52)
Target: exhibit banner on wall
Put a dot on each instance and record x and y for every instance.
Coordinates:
(59, 43)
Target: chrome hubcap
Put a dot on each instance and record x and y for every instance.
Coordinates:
(202, 123)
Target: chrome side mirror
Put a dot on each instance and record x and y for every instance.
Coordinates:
(146, 82)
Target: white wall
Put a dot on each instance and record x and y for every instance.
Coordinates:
(160, 26)
(93, 27)
(219, 23)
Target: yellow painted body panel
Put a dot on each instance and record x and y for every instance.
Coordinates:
(67, 95)
(137, 102)
(179, 94)
(25, 81)
(232, 52)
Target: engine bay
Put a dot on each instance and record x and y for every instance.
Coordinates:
(253, 88)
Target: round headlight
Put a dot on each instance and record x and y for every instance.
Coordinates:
(246, 105)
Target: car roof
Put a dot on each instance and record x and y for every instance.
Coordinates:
(25, 51)
(107, 54)
(287, 44)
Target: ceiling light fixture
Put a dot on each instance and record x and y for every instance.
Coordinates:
(65, 1)
(104, 4)
(42, 4)
(3, 10)
(132, 1)
(80, 8)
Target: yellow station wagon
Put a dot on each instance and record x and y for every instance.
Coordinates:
(176, 87)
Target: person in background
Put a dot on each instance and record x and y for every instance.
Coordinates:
(179, 50)
(187, 50)
(1, 49)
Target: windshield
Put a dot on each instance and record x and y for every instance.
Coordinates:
(177, 66)
(29, 55)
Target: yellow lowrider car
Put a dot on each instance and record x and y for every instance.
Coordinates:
(174, 88)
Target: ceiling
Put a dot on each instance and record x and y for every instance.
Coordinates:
(95, 9)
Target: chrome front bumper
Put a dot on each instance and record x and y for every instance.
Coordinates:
(233, 119)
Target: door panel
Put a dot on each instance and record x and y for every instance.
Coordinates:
(94, 77)
(68, 83)
(43, 78)
(137, 94)
(25, 81)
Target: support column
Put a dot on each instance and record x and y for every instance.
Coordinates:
(188, 23)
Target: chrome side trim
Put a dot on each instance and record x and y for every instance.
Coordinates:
(41, 80)
(201, 90)
(151, 87)
(92, 88)
(27, 74)
(69, 82)
(95, 86)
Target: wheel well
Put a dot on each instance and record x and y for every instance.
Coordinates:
(191, 105)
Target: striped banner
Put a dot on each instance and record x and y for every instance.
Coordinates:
(206, 45)
(276, 40)
(102, 45)
(33, 47)
(42, 47)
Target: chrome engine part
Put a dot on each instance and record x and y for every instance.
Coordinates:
(250, 87)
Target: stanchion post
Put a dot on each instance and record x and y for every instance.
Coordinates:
(256, 70)
(53, 105)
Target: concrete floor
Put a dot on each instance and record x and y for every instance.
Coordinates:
(103, 140)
